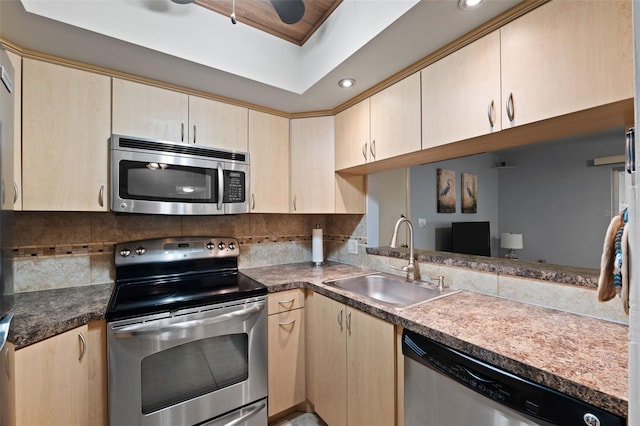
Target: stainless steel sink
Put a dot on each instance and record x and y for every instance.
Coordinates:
(391, 290)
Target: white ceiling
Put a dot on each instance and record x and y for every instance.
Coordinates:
(191, 46)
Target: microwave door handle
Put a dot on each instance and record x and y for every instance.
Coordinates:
(220, 185)
(151, 328)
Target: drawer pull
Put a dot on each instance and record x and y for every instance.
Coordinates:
(84, 346)
(364, 151)
(282, 324)
(492, 114)
(511, 109)
(340, 317)
(286, 302)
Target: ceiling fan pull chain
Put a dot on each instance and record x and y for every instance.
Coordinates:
(233, 12)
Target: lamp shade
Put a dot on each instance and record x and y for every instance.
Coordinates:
(510, 241)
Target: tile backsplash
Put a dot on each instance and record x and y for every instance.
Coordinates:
(67, 249)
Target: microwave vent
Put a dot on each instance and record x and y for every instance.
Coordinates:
(182, 149)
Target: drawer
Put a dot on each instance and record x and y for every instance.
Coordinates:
(285, 301)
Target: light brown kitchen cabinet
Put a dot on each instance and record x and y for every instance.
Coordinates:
(218, 124)
(286, 323)
(565, 56)
(312, 165)
(395, 119)
(461, 94)
(57, 381)
(16, 192)
(353, 136)
(66, 125)
(156, 113)
(269, 158)
(351, 371)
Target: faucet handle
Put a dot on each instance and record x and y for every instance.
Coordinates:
(440, 282)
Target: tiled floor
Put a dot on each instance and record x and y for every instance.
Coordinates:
(298, 418)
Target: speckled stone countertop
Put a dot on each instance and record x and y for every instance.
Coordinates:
(43, 314)
(583, 277)
(577, 355)
(580, 356)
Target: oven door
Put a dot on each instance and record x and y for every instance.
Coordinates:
(189, 366)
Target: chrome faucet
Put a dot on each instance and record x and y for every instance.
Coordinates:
(409, 268)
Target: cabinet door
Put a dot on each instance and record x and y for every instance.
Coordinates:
(327, 351)
(461, 94)
(269, 157)
(286, 360)
(312, 165)
(51, 381)
(371, 370)
(566, 56)
(395, 119)
(66, 128)
(16, 61)
(352, 136)
(149, 112)
(217, 124)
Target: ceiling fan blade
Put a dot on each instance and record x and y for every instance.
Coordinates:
(289, 11)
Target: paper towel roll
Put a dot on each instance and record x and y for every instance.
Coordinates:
(317, 253)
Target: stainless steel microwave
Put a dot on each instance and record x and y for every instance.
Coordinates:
(158, 177)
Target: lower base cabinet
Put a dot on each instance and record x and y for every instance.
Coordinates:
(351, 364)
(62, 380)
(286, 351)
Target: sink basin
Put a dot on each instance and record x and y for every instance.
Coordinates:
(391, 290)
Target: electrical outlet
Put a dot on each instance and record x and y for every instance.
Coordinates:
(353, 246)
(422, 223)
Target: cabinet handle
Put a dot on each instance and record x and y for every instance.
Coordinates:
(294, 203)
(16, 192)
(340, 316)
(286, 302)
(181, 132)
(7, 370)
(349, 322)
(511, 110)
(364, 151)
(372, 148)
(283, 324)
(253, 201)
(194, 133)
(83, 341)
(492, 113)
(100, 196)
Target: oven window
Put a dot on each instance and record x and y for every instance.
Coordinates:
(187, 371)
(167, 182)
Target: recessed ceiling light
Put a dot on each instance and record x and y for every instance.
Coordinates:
(345, 83)
(469, 4)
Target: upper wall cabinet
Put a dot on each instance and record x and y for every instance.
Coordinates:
(16, 61)
(269, 157)
(352, 136)
(461, 94)
(566, 56)
(66, 125)
(395, 119)
(156, 113)
(312, 160)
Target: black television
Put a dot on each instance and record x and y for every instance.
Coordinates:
(471, 238)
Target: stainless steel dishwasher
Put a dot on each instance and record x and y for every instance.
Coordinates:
(444, 387)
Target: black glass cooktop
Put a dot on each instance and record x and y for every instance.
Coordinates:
(160, 294)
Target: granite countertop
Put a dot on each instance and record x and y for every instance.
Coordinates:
(577, 355)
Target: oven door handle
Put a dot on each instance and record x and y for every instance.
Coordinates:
(151, 328)
(220, 185)
(238, 420)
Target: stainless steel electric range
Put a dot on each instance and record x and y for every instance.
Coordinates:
(187, 335)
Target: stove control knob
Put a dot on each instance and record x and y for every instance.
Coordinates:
(210, 245)
(221, 245)
(125, 252)
(141, 250)
(232, 245)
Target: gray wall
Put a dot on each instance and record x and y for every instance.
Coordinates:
(557, 200)
(423, 180)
